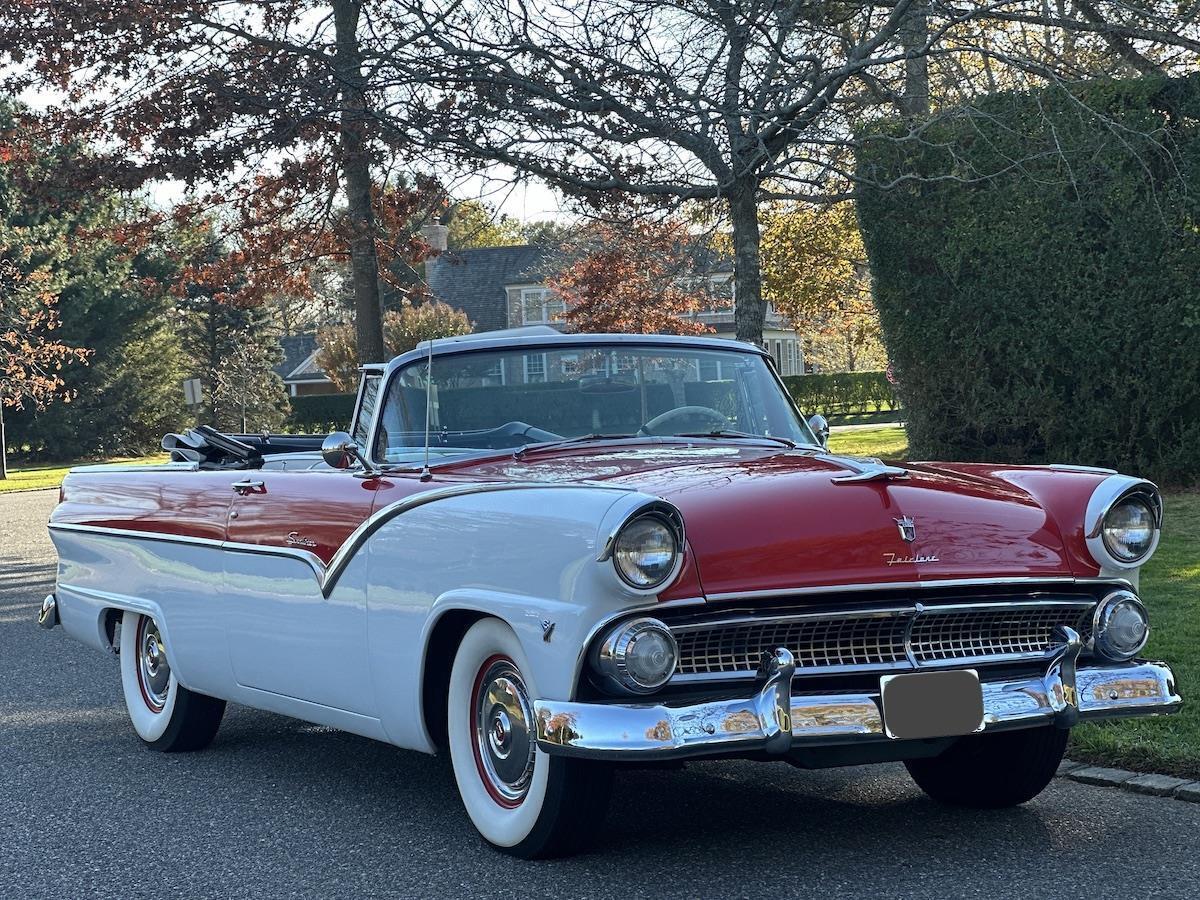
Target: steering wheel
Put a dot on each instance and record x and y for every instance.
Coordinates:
(702, 418)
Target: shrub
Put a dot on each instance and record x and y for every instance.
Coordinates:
(320, 413)
(1046, 311)
(841, 392)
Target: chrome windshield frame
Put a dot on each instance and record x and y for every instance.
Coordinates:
(479, 343)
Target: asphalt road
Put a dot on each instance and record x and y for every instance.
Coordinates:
(279, 808)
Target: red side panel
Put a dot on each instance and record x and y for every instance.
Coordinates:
(313, 511)
(190, 504)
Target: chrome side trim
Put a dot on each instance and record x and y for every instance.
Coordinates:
(133, 468)
(923, 584)
(327, 575)
(311, 559)
(621, 730)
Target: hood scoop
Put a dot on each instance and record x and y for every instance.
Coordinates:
(864, 470)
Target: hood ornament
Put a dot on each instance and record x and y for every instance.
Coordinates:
(908, 528)
(864, 469)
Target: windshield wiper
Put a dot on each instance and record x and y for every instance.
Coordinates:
(726, 432)
(580, 439)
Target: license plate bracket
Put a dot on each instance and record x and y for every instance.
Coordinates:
(919, 705)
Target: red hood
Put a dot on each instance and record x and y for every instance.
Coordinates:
(762, 519)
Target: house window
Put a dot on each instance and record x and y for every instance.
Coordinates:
(535, 368)
(710, 369)
(540, 306)
(494, 375)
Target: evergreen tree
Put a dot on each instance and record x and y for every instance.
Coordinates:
(232, 350)
(112, 300)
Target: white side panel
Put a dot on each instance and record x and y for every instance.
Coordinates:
(179, 584)
(287, 638)
(523, 556)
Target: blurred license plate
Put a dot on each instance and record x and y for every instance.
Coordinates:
(931, 704)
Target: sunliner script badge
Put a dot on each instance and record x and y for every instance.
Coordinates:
(296, 539)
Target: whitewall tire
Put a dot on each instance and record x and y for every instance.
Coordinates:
(165, 714)
(521, 800)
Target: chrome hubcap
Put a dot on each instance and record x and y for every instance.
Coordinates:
(154, 672)
(503, 716)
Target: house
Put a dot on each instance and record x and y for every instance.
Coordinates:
(504, 287)
(299, 370)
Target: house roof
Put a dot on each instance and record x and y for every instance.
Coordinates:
(297, 348)
(474, 280)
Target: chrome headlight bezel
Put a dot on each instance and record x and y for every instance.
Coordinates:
(659, 514)
(1103, 615)
(1109, 496)
(612, 659)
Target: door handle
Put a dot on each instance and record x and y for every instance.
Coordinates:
(246, 487)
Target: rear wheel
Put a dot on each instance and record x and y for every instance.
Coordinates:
(521, 800)
(165, 714)
(992, 770)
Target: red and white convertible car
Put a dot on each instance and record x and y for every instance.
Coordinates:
(550, 554)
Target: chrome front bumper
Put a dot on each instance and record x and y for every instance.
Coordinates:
(774, 720)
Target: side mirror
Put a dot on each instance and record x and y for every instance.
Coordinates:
(820, 427)
(340, 452)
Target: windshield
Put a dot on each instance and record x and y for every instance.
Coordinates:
(503, 399)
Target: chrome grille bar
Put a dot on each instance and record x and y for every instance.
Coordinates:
(902, 637)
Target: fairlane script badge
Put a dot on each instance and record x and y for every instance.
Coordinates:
(296, 539)
(895, 559)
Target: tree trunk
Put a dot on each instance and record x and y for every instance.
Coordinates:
(750, 311)
(356, 181)
(914, 34)
(3, 447)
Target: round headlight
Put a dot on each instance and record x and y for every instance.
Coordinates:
(1121, 626)
(645, 552)
(638, 656)
(1129, 529)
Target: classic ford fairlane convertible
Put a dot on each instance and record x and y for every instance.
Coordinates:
(550, 555)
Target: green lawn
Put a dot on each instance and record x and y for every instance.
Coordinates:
(1170, 587)
(28, 478)
(888, 442)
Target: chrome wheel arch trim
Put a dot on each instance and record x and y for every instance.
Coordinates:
(327, 575)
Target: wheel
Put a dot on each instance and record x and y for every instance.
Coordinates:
(165, 714)
(519, 799)
(992, 770)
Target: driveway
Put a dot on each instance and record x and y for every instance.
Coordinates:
(280, 808)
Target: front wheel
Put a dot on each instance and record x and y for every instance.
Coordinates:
(521, 800)
(992, 770)
(165, 714)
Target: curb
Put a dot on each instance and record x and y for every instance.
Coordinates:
(1135, 782)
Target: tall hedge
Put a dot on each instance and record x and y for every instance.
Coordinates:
(1038, 281)
(320, 413)
(842, 392)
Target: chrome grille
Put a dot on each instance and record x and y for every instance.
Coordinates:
(878, 639)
